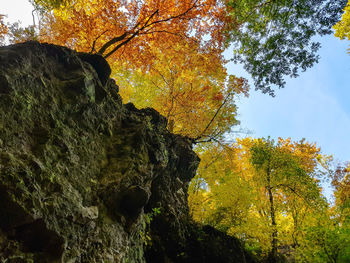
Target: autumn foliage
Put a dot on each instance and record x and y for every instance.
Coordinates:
(342, 28)
(135, 27)
(3, 29)
(168, 55)
(268, 194)
(168, 52)
(341, 183)
(190, 88)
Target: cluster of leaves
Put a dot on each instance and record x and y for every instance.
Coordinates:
(3, 29)
(328, 239)
(267, 193)
(271, 38)
(341, 183)
(188, 86)
(90, 25)
(165, 55)
(47, 5)
(14, 33)
(342, 28)
(18, 34)
(275, 37)
(175, 48)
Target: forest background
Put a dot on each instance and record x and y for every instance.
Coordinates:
(267, 192)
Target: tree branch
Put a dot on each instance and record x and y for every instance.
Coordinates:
(108, 44)
(212, 119)
(137, 32)
(94, 43)
(111, 42)
(174, 17)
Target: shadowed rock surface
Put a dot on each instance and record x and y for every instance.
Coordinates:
(85, 178)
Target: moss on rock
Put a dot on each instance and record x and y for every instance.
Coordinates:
(79, 169)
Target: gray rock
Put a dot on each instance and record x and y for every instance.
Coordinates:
(82, 174)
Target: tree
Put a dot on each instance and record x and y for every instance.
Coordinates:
(108, 26)
(218, 195)
(273, 39)
(259, 190)
(188, 86)
(325, 238)
(48, 5)
(18, 34)
(285, 175)
(342, 28)
(165, 55)
(341, 212)
(341, 183)
(3, 29)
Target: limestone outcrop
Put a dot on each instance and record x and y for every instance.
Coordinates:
(86, 178)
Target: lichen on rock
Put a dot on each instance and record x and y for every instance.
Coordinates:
(80, 170)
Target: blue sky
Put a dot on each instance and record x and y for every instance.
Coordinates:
(314, 106)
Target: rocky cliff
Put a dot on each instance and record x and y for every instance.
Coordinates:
(84, 178)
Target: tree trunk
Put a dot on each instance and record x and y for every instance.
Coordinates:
(272, 258)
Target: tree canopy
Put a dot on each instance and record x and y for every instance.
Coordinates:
(342, 28)
(169, 55)
(272, 39)
(169, 52)
(3, 29)
(268, 193)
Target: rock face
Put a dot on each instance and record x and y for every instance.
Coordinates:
(85, 178)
